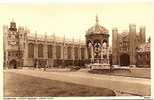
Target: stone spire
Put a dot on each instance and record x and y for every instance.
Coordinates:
(12, 19)
(149, 39)
(12, 26)
(97, 19)
(64, 38)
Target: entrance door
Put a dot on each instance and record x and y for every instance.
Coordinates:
(124, 60)
(13, 64)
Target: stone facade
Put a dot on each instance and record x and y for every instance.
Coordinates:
(143, 54)
(21, 48)
(125, 47)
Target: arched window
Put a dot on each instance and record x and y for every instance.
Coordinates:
(50, 51)
(58, 52)
(69, 52)
(30, 50)
(40, 50)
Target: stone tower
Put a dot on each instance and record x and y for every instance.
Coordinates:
(14, 45)
(115, 48)
(132, 44)
(142, 35)
(11, 45)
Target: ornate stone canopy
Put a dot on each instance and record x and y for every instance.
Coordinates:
(97, 29)
(97, 40)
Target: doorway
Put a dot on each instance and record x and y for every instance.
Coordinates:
(13, 64)
(124, 60)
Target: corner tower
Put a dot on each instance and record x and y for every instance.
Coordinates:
(142, 35)
(132, 44)
(115, 42)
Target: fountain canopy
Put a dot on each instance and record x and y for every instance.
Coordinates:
(97, 29)
(97, 41)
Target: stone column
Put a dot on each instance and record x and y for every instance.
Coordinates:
(54, 50)
(25, 55)
(45, 53)
(73, 57)
(65, 52)
(86, 53)
(36, 53)
(62, 52)
(79, 52)
(108, 55)
(45, 48)
(35, 50)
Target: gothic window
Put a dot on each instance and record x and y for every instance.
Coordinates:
(9, 53)
(58, 52)
(69, 52)
(17, 53)
(76, 53)
(30, 50)
(50, 51)
(40, 50)
(82, 53)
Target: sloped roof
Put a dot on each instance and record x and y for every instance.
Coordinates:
(97, 29)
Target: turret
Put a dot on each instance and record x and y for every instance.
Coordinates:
(132, 48)
(114, 46)
(142, 35)
(12, 26)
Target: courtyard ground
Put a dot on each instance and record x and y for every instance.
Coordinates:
(136, 72)
(122, 86)
(19, 85)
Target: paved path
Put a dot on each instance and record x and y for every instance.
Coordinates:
(120, 84)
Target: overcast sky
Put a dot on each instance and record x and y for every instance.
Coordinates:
(74, 20)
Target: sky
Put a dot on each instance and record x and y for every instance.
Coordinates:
(74, 20)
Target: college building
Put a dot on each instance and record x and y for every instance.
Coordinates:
(25, 49)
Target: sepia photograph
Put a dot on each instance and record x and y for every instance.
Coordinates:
(76, 50)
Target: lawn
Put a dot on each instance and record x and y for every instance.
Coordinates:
(126, 73)
(18, 85)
